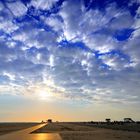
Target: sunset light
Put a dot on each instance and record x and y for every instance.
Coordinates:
(44, 95)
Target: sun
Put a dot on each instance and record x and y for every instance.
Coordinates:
(43, 95)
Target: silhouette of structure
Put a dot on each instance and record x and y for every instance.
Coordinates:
(49, 120)
(128, 120)
(108, 120)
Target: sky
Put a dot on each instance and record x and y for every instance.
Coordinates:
(69, 60)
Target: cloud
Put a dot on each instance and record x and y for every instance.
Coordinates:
(72, 53)
(115, 62)
(17, 8)
(43, 4)
(6, 18)
(122, 20)
(10, 76)
(54, 22)
(131, 46)
(34, 37)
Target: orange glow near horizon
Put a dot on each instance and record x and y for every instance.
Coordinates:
(34, 110)
(46, 136)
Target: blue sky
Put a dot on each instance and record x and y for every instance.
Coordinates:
(63, 50)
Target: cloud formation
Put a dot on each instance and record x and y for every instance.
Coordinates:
(75, 50)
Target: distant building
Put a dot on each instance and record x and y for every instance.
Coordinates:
(108, 120)
(49, 120)
(128, 120)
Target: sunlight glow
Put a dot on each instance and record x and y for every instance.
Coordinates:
(43, 95)
(48, 136)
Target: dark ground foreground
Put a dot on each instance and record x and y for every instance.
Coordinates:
(10, 127)
(81, 131)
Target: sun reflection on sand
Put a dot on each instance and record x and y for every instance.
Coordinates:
(48, 136)
(26, 134)
(41, 137)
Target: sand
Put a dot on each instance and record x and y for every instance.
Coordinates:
(10, 127)
(70, 131)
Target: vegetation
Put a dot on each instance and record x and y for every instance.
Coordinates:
(116, 125)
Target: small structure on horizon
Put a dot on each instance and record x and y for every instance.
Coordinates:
(108, 120)
(49, 120)
(128, 120)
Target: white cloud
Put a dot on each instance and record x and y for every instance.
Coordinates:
(17, 8)
(51, 60)
(132, 46)
(11, 76)
(43, 4)
(86, 26)
(115, 62)
(71, 19)
(8, 26)
(105, 44)
(34, 37)
(6, 23)
(54, 22)
(136, 24)
(124, 20)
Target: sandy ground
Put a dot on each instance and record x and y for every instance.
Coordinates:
(10, 127)
(100, 135)
(25, 135)
(70, 131)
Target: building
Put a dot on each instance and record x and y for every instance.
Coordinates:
(108, 120)
(49, 120)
